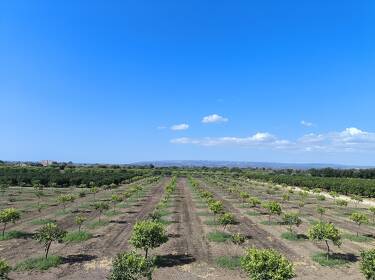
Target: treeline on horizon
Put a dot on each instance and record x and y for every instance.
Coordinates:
(63, 176)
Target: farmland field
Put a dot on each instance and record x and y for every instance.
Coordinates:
(200, 241)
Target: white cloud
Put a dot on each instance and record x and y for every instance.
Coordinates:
(182, 126)
(260, 139)
(307, 124)
(214, 118)
(349, 140)
(161, 127)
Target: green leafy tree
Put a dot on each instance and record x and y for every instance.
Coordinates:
(368, 264)
(266, 264)
(226, 219)
(79, 220)
(9, 215)
(130, 266)
(148, 235)
(357, 199)
(49, 233)
(115, 199)
(4, 269)
(244, 196)
(341, 202)
(292, 219)
(273, 208)
(372, 210)
(101, 207)
(64, 199)
(286, 197)
(216, 207)
(321, 211)
(325, 232)
(238, 239)
(94, 190)
(254, 201)
(359, 219)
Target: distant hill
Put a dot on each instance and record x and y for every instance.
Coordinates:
(242, 164)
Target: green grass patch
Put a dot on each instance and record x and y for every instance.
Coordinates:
(39, 263)
(203, 214)
(111, 213)
(270, 223)
(211, 222)
(15, 234)
(97, 224)
(40, 222)
(218, 236)
(77, 236)
(253, 213)
(291, 236)
(359, 238)
(229, 262)
(331, 260)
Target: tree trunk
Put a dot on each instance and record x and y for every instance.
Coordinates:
(5, 225)
(328, 250)
(146, 253)
(79, 228)
(47, 249)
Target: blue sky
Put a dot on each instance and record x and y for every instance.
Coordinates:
(125, 81)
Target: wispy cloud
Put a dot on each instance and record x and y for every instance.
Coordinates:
(161, 127)
(349, 140)
(306, 123)
(214, 118)
(182, 126)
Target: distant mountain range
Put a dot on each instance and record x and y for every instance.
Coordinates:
(243, 164)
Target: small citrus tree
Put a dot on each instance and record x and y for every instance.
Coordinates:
(292, 219)
(325, 232)
(273, 208)
(368, 264)
(79, 220)
(115, 199)
(216, 207)
(320, 210)
(94, 190)
(226, 219)
(4, 269)
(130, 266)
(101, 207)
(9, 215)
(49, 233)
(148, 235)
(64, 199)
(254, 201)
(266, 264)
(359, 219)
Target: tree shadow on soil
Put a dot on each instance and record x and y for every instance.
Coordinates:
(118, 222)
(173, 260)
(80, 258)
(172, 235)
(347, 257)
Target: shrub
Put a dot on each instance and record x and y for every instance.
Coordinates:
(101, 207)
(226, 219)
(273, 208)
(130, 266)
(8, 215)
(147, 235)
(368, 264)
(292, 219)
(325, 232)
(266, 264)
(238, 239)
(4, 269)
(359, 218)
(79, 220)
(49, 233)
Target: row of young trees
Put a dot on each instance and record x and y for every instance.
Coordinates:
(346, 186)
(322, 231)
